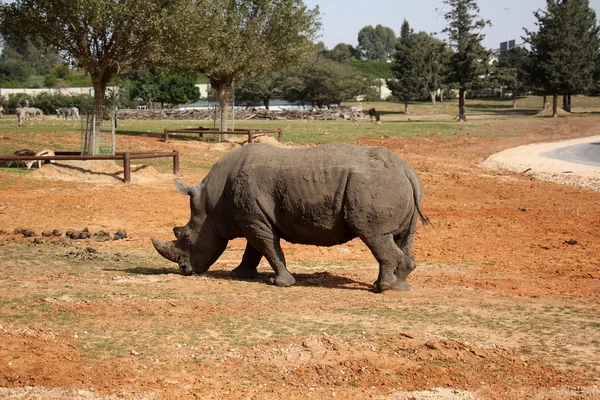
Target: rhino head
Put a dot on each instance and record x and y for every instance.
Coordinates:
(197, 245)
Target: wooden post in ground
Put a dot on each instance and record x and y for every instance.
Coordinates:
(176, 162)
(127, 168)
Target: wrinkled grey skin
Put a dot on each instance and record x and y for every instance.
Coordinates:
(324, 196)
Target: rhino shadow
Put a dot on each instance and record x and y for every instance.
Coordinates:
(315, 279)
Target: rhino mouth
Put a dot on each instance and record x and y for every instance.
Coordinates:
(186, 268)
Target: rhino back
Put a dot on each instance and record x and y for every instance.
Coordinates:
(324, 195)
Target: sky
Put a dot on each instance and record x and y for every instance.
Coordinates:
(343, 19)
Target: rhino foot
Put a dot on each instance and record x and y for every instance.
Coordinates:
(401, 285)
(244, 272)
(282, 280)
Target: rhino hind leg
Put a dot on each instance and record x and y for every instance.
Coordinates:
(264, 240)
(407, 264)
(390, 259)
(248, 267)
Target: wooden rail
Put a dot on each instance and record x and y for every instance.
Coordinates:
(126, 157)
(202, 131)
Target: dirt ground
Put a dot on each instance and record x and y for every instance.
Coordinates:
(500, 242)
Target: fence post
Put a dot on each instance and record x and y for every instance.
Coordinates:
(176, 162)
(166, 136)
(250, 137)
(127, 167)
(280, 135)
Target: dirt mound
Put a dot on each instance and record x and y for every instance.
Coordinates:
(96, 172)
(548, 112)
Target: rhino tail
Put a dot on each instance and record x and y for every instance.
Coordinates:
(417, 187)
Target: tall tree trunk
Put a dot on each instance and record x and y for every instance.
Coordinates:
(514, 99)
(545, 100)
(93, 139)
(266, 104)
(462, 117)
(224, 93)
(433, 97)
(442, 96)
(405, 107)
(568, 109)
(565, 106)
(554, 105)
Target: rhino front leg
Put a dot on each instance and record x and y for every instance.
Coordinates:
(390, 257)
(249, 264)
(266, 242)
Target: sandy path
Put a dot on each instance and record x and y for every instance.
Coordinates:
(528, 160)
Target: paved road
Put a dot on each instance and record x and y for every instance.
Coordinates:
(586, 153)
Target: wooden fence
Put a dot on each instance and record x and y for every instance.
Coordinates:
(126, 157)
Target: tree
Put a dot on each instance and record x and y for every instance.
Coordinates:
(565, 48)
(104, 37)
(410, 68)
(342, 52)
(376, 44)
(40, 60)
(262, 88)
(159, 86)
(437, 54)
(469, 61)
(511, 72)
(241, 37)
(325, 82)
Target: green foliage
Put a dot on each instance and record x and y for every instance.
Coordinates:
(78, 80)
(13, 73)
(511, 71)
(325, 82)
(61, 70)
(158, 86)
(103, 37)
(376, 44)
(39, 60)
(410, 67)
(373, 69)
(237, 38)
(342, 52)
(565, 47)
(469, 62)
(50, 81)
(261, 88)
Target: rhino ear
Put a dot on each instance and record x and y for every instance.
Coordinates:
(183, 187)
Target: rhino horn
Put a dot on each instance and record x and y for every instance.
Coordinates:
(165, 249)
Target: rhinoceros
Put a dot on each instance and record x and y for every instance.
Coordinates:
(324, 195)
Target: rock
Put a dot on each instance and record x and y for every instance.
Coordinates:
(39, 240)
(28, 233)
(75, 235)
(18, 231)
(69, 232)
(121, 234)
(433, 345)
(101, 236)
(57, 233)
(84, 235)
(3, 232)
(47, 233)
